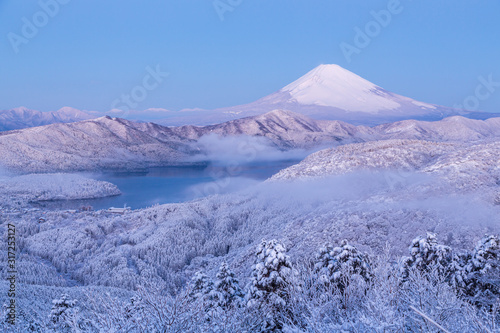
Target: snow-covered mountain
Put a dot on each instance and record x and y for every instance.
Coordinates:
(330, 92)
(334, 86)
(22, 117)
(327, 92)
(378, 195)
(91, 145)
(118, 143)
(287, 129)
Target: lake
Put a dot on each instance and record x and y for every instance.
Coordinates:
(174, 184)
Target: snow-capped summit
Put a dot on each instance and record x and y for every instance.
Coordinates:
(334, 86)
(330, 92)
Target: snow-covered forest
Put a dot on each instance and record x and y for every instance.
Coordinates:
(338, 227)
(434, 288)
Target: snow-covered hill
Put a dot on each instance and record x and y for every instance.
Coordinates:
(22, 117)
(285, 129)
(464, 164)
(91, 145)
(117, 143)
(288, 129)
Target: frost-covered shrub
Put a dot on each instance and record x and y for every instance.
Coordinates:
(134, 307)
(429, 294)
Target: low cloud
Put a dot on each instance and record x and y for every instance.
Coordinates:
(220, 186)
(244, 149)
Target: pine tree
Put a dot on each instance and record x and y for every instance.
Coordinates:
(272, 275)
(201, 286)
(335, 266)
(63, 313)
(427, 255)
(227, 290)
(479, 278)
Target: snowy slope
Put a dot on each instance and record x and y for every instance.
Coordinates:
(452, 128)
(22, 117)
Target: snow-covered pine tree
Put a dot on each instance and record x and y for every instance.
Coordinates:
(201, 286)
(227, 290)
(479, 278)
(271, 277)
(334, 266)
(427, 255)
(63, 313)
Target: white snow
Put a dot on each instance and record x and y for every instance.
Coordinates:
(424, 105)
(332, 85)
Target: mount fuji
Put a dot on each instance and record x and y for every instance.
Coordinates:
(330, 92)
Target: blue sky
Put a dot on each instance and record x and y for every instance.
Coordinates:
(90, 52)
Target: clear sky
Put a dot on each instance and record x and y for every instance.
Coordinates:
(87, 53)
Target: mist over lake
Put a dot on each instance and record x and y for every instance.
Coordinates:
(174, 184)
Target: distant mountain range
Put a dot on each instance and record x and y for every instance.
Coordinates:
(22, 117)
(115, 143)
(328, 92)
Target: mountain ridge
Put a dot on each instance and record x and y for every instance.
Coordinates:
(107, 143)
(22, 117)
